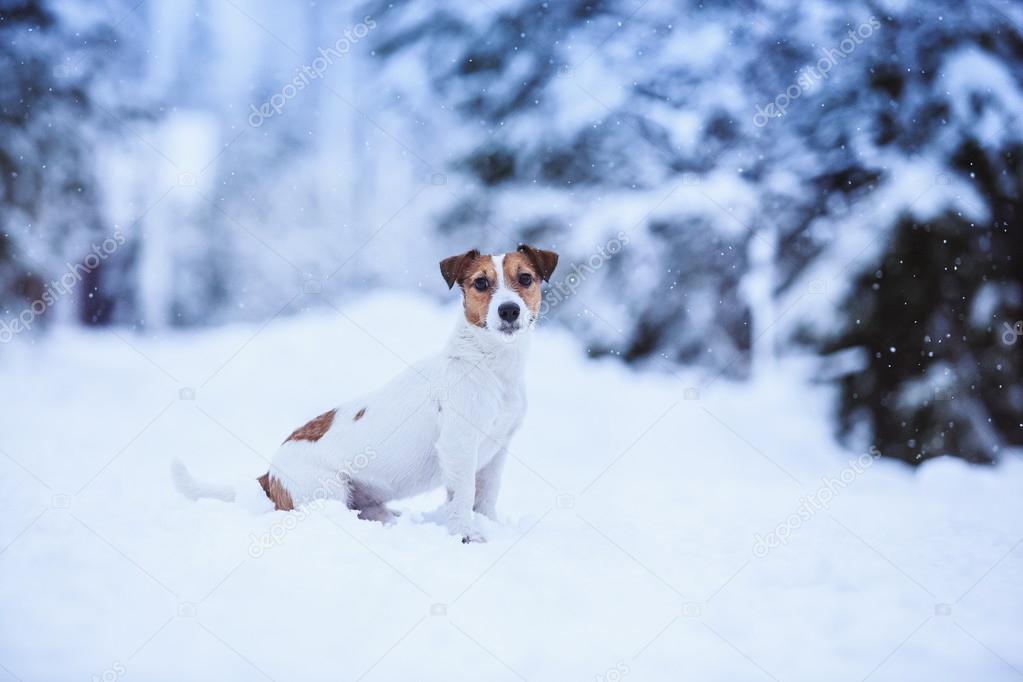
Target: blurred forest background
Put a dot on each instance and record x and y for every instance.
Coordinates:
(728, 183)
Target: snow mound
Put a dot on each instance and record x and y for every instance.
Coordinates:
(654, 527)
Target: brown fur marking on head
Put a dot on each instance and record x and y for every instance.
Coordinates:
(477, 302)
(313, 430)
(515, 264)
(453, 269)
(359, 414)
(276, 492)
(543, 261)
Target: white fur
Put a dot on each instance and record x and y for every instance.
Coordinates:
(444, 422)
(188, 486)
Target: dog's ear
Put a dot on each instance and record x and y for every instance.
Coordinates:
(543, 261)
(453, 268)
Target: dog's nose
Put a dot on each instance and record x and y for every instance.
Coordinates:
(509, 312)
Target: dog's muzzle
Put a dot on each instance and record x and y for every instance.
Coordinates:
(509, 313)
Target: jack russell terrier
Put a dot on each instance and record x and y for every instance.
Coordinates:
(445, 421)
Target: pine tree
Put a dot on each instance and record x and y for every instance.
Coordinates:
(937, 322)
(737, 126)
(47, 181)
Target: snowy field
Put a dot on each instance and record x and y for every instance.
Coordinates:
(650, 532)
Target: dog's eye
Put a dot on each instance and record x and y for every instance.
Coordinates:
(481, 283)
(525, 279)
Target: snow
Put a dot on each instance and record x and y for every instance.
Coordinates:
(970, 75)
(634, 541)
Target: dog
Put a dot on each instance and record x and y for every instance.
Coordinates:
(444, 421)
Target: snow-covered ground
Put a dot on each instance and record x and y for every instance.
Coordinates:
(651, 531)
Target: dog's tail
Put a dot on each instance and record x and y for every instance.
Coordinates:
(194, 489)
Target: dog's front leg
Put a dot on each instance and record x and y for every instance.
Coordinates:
(457, 450)
(488, 485)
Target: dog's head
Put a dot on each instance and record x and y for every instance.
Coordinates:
(500, 293)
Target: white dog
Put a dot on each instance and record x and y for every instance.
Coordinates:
(445, 421)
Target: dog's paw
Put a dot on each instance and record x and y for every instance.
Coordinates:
(457, 524)
(472, 536)
(467, 530)
(379, 513)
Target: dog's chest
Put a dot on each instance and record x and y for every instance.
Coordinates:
(506, 420)
(511, 412)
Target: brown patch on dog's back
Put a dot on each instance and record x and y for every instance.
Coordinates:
(477, 302)
(359, 414)
(276, 492)
(314, 430)
(516, 264)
